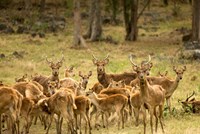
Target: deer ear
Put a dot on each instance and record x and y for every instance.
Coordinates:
(175, 69)
(71, 68)
(94, 61)
(123, 82)
(135, 68)
(48, 82)
(90, 73)
(106, 61)
(150, 65)
(80, 74)
(184, 68)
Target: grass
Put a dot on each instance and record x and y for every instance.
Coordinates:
(162, 48)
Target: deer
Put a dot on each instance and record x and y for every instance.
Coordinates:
(134, 96)
(116, 103)
(85, 78)
(170, 85)
(29, 90)
(190, 105)
(69, 72)
(97, 87)
(43, 80)
(22, 79)
(83, 105)
(153, 97)
(10, 105)
(68, 81)
(105, 78)
(146, 65)
(26, 109)
(61, 103)
(163, 74)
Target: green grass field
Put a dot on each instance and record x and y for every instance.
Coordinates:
(164, 49)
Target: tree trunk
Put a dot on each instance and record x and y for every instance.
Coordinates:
(96, 26)
(42, 5)
(91, 19)
(78, 40)
(114, 11)
(165, 2)
(126, 15)
(196, 21)
(131, 19)
(94, 31)
(134, 19)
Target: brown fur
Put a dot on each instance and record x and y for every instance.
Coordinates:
(29, 90)
(85, 78)
(109, 104)
(97, 87)
(168, 84)
(83, 105)
(10, 105)
(22, 79)
(153, 96)
(60, 103)
(105, 78)
(43, 80)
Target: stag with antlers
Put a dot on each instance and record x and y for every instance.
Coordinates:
(152, 95)
(191, 105)
(43, 80)
(105, 78)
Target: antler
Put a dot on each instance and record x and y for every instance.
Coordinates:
(94, 57)
(107, 57)
(131, 60)
(62, 59)
(190, 96)
(49, 62)
(148, 60)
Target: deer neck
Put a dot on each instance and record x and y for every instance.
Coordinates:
(103, 79)
(144, 88)
(175, 84)
(55, 77)
(95, 101)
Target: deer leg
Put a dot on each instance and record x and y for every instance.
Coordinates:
(168, 104)
(161, 117)
(144, 118)
(0, 124)
(156, 116)
(107, 116)
(136, 114)
(76, 124)
(49, 125)
(88, 121)
(80, 124)
(60, 127)
(35, 121)
(151, 119)
(102, 116)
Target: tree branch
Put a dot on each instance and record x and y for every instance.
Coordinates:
(139, 15)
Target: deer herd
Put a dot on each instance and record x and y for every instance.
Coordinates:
(114, 98)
